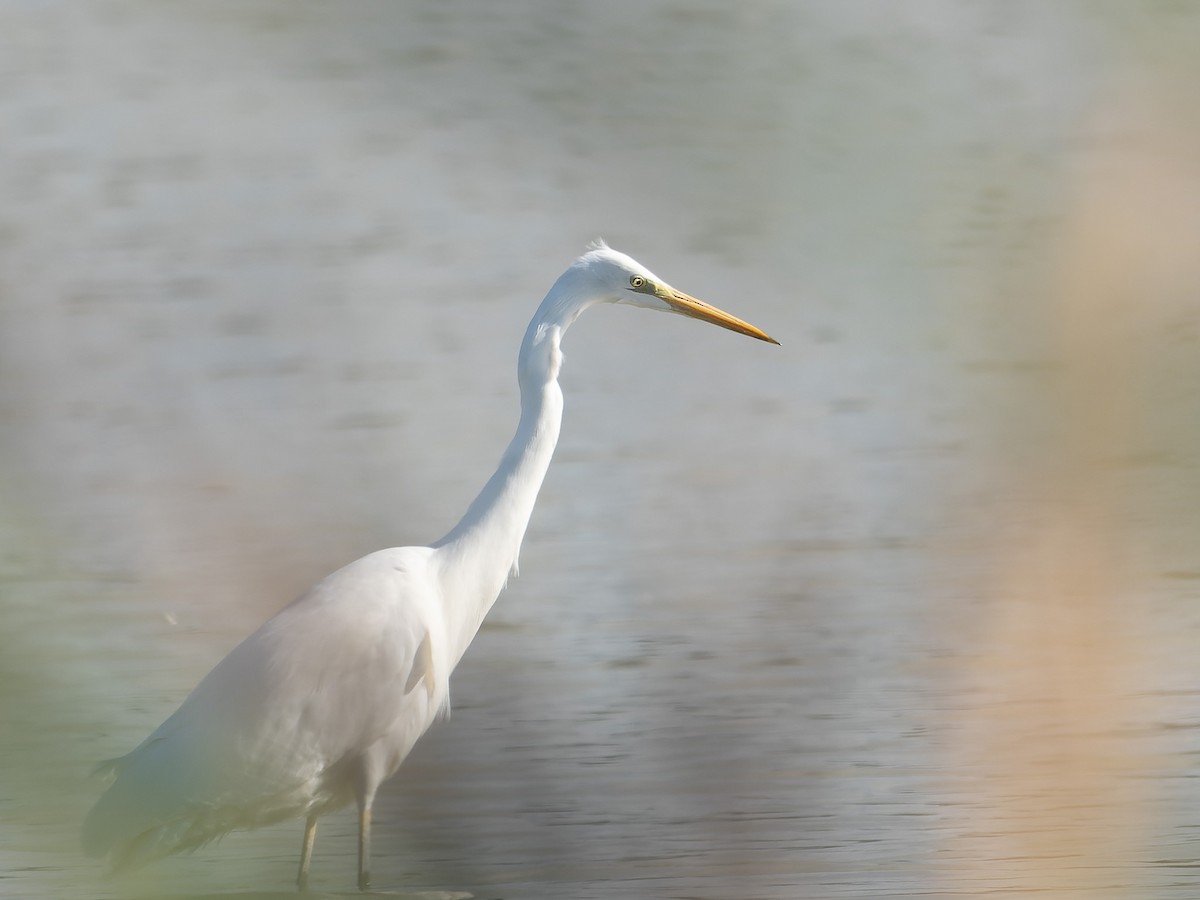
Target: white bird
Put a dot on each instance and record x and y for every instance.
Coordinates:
(321, 704)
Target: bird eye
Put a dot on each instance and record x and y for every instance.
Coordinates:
(637, 281)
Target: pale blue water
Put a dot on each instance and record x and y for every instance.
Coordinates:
(263, 272)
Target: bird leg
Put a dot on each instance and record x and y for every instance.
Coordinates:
(310, 834)
(364, 846)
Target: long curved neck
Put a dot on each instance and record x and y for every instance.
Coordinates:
(475, 559)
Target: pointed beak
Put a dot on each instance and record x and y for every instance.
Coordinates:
(698, 309)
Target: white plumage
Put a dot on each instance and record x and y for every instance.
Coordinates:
(321, 704)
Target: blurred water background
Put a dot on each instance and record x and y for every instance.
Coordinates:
(908, 607)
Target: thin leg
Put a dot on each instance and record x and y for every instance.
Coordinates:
(364, 847)
(310, 835)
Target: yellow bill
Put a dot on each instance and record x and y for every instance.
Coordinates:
(706, 312)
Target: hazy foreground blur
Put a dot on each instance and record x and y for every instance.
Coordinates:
(907, 607)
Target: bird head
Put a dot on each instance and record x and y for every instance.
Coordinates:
(617, 278)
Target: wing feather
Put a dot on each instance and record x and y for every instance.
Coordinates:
(264, 734)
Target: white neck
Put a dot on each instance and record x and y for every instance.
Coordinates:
(475, 559)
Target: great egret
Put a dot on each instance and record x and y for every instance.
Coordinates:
(323, 702)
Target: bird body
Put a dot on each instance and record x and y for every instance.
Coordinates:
(324, 699)
(323, 702)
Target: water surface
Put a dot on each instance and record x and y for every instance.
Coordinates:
(904, 608)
